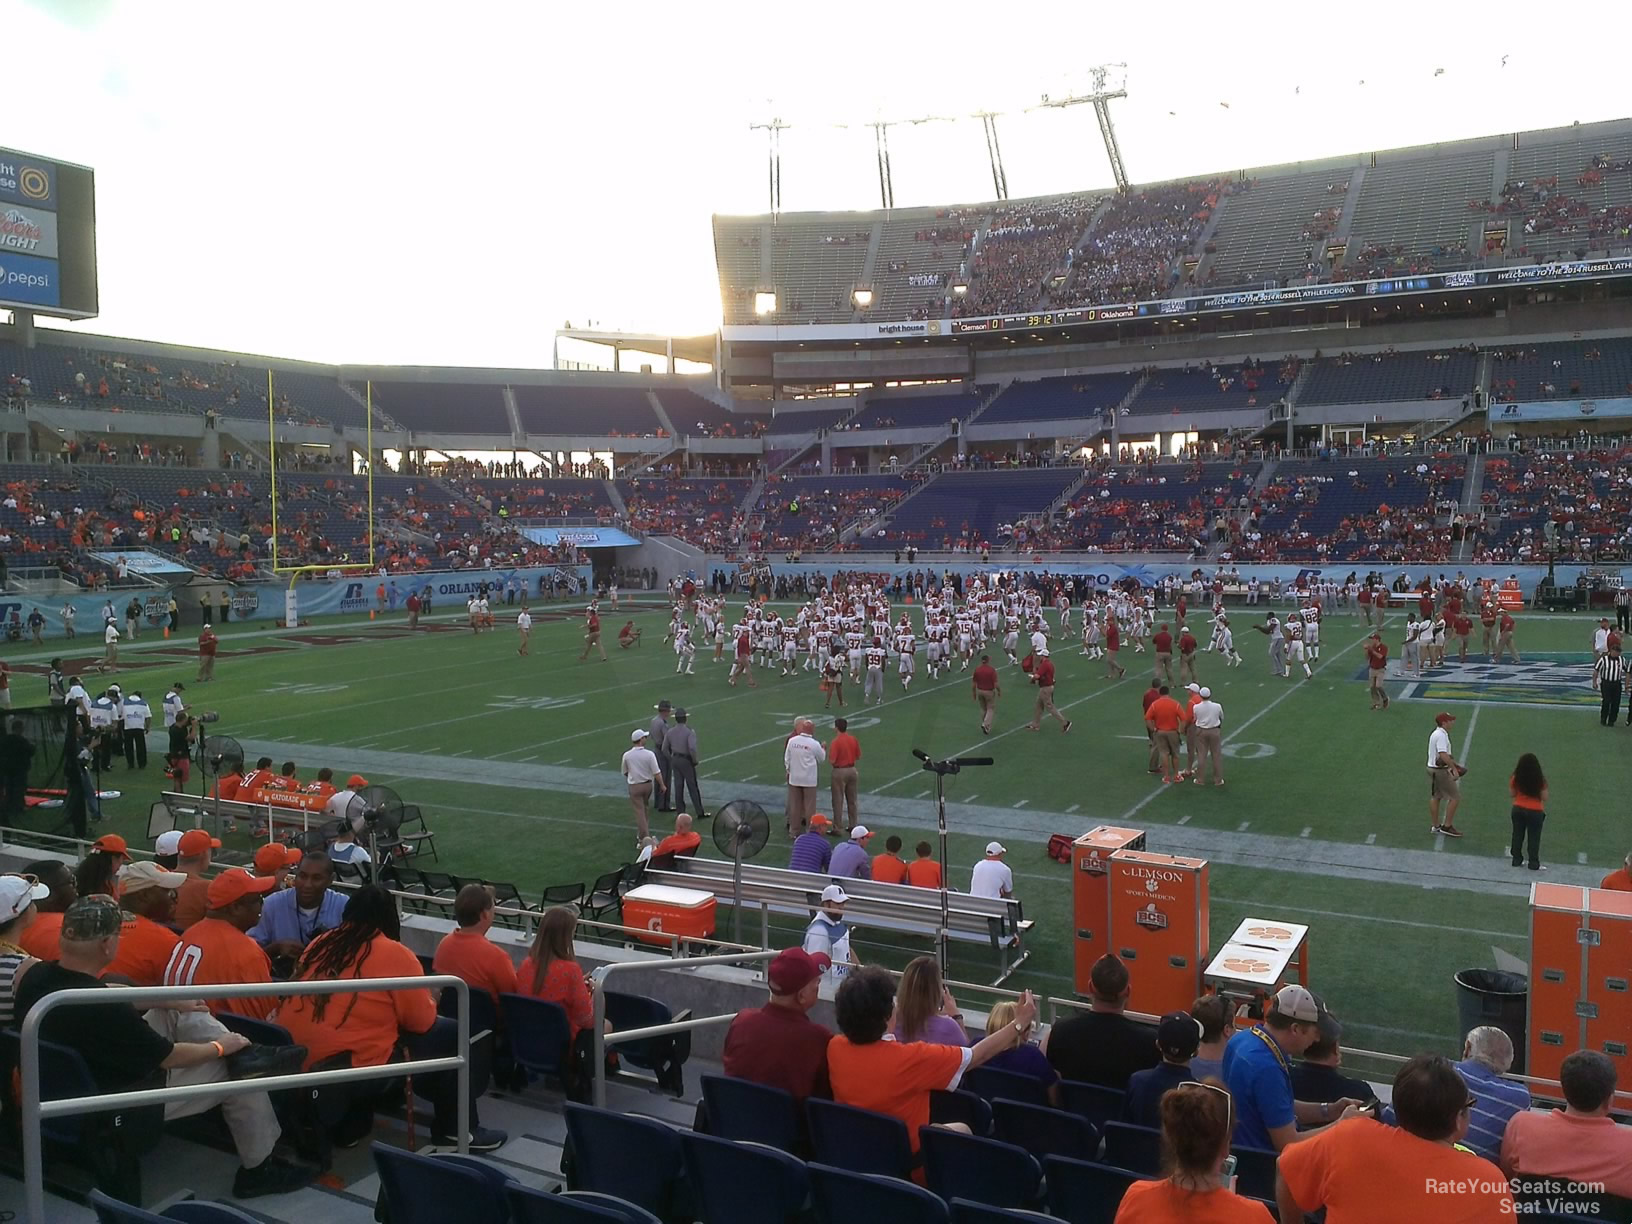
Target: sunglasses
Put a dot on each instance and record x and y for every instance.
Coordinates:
(1223, 1092)
(1470, 1103)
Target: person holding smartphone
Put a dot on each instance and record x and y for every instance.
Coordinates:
(1197, 1122)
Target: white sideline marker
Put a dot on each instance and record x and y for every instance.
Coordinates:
(1371, 839)
(1183, 820)
(1022, 803)
(1581, 857)
(1243, 826)
(1307, 829)
(1072, 808)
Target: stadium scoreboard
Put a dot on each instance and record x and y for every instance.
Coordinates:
(47, 236)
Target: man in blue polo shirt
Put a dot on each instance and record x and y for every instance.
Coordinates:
(1258, 1070)
(1487, 1056)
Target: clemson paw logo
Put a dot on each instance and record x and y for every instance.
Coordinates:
(1269, 932)
(1241, 964)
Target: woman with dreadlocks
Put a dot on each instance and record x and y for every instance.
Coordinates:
(373, 1027)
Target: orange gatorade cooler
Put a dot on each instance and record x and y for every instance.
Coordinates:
(1580, 979)
(1159, 918)
(1091, 893)
(665, 911)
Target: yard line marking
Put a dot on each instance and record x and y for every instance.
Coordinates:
(1230, 738)
(1307, 829)
(1581, 857)
(748, 778)
(1371, 839)
(1022, 803)
(1243, 826)
(1072, 808)
(562, 761)
(1467, 741)
(461, 752)
(1184, 820)
(711, 773)
(969, 798)
(924, 794)
(534, 757)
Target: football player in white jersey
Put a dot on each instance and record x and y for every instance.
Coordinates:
(1311, 628)
(1295, 651)
(1224, 639)
(1062, 605)
(873, 685)
(686, 652)
(906, 646)
(1091, 635)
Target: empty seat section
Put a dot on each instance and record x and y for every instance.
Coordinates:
(1078, 397)
(445, 407)
(602, 411)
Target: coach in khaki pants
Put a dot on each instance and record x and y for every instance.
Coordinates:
(842, 755)
(802, 756)
(642, 772)
(1207, 716)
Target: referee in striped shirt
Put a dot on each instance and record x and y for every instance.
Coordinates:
(1607, 674)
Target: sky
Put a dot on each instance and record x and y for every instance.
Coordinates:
(435, 184)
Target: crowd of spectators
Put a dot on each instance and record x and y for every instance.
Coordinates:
(705, 513)
(1025, 244)
(802, 517)
(1143, 509)
(1134, 248)
(1393, 518)
(1586, 494)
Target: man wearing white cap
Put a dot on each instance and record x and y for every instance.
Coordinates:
(1207, 718)
(17, 897)
(829, 935)
(642, 772)
(850, 860)
(992, 877)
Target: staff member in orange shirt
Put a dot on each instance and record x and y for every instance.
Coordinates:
(1165, 717)
(217, 949)
(842, 755)
(1042, 675)
(986, 690)
(467, 953)
(147, 895)
(369, 1027)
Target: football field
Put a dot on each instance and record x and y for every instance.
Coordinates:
(1323, 819)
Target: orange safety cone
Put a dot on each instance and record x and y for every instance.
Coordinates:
(167, 632)
(371, 614)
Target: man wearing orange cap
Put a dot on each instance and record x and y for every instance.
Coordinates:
(193, 860)
(277, 861)
(217, 949)
(335, 807)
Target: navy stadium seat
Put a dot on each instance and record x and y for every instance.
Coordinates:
(859, 1139)
(757, 1113)
(981, 1170)
(842, 1197)
(744, 1183)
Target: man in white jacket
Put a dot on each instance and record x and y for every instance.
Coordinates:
(802, 758)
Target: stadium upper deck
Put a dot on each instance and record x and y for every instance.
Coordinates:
(1561, 193)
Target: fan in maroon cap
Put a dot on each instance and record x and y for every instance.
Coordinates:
(779, 1044)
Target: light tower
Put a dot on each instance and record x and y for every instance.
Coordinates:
(773, 129)
(1109, 81)
(994, 154)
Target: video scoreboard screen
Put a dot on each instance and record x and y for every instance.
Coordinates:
(47, 236)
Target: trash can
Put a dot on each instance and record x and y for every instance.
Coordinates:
(1497, 998)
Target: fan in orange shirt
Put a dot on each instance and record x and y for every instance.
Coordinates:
(1619, 880)
(897, 1077)
(888, 867)
(924, 871)
(42, 937)
(147, 894)
(217, 949)
(1197, 1121)
(370, 1026)
(1165, 717)
(467, 953)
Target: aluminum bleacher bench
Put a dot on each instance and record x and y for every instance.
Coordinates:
(997, 923)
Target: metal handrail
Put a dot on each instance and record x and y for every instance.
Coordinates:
(34, 1109)
(602, 1038)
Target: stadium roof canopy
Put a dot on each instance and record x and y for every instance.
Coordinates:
(701, 349)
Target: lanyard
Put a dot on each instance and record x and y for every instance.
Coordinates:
(1274, 1049)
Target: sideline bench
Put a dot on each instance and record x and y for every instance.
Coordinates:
(997, 923)
(178, 810)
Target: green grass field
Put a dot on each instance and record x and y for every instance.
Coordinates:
(1323, 818)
